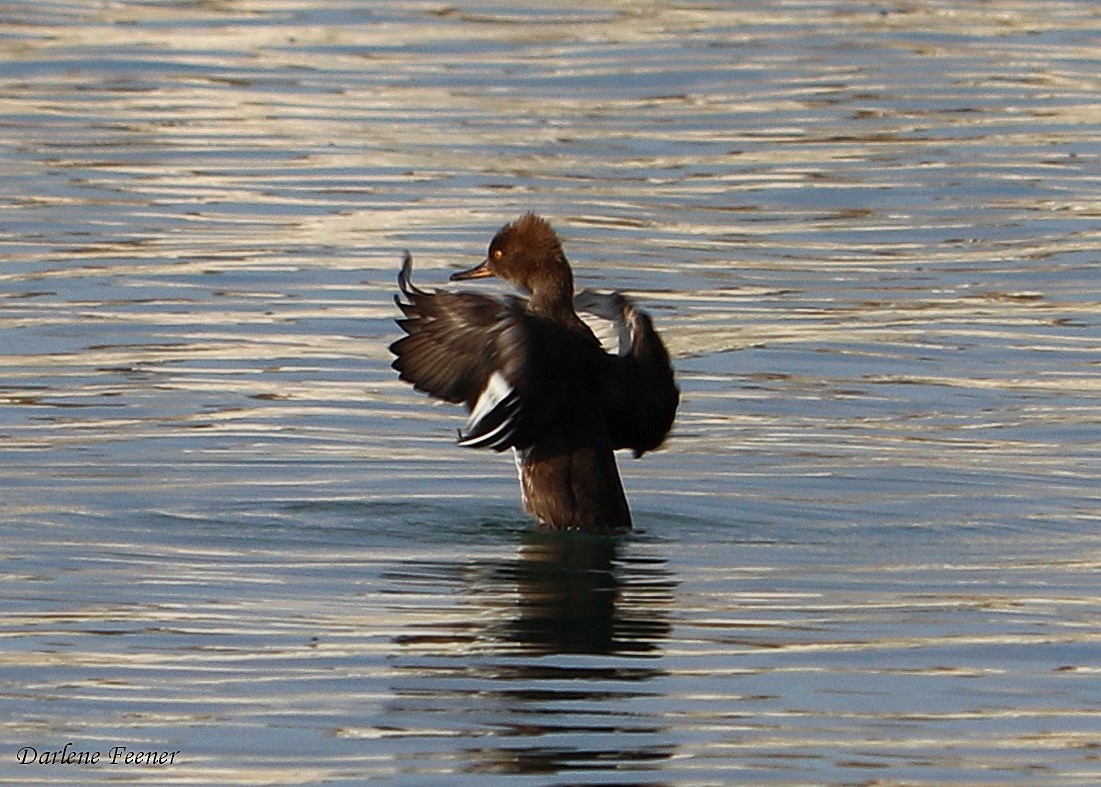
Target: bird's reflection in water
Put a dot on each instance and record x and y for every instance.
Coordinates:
(578, 594)
(574, 624)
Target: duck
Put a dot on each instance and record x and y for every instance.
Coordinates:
(537, 379)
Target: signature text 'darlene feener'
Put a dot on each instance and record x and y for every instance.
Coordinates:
(116, 755)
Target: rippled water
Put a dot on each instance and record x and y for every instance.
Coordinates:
(868, 554)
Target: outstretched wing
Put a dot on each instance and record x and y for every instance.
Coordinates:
(470, 349)
(636, 383)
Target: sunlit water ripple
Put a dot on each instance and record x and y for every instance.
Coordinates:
(869, 552)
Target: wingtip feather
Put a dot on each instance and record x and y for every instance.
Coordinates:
(405, 277)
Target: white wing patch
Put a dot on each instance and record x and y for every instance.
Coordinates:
(497, 388)
(607, 317)
(493, 419)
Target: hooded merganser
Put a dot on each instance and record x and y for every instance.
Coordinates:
(535, 378)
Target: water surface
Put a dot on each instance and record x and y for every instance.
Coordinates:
(868, 553)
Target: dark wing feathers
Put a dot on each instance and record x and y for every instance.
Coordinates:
(448, 341)
(637, 387)
(471, 349)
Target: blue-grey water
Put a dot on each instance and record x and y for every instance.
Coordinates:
(870, 551)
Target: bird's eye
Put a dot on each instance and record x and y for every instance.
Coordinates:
(497, 254)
